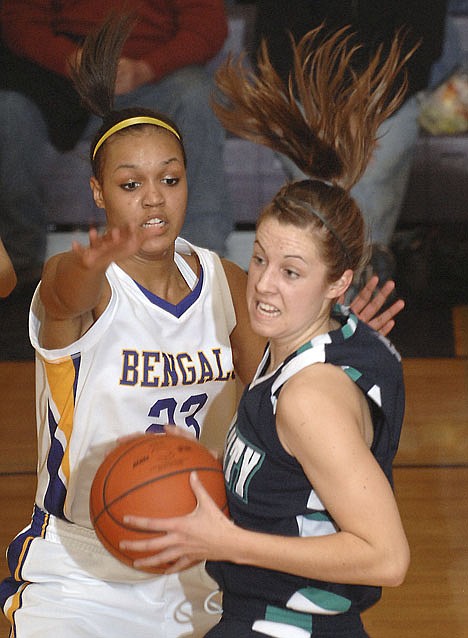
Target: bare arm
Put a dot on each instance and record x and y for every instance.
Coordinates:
(323, 404)
(7, 272)
(74, 288)
(370, 546)
(247, 347)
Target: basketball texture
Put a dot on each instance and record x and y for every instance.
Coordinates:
(149, 476)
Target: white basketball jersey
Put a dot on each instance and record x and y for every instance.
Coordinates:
(143, 364)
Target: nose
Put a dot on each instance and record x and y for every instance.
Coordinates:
(153, 195)
(266, 279)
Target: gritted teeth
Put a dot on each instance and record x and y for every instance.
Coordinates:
(154, 221)
(266, 307)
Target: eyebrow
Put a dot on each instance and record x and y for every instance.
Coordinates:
(295, 257)
(163, 163)
(284, 256)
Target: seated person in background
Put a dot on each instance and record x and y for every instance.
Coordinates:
(162, 67)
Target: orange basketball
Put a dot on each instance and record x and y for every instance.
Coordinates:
(149, 476)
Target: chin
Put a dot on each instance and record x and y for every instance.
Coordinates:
(262, 328)
(159, 234)
(157, 246)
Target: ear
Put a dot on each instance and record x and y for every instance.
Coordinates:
(341, 285)
(97, 192)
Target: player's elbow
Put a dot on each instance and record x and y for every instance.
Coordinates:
(396, 567)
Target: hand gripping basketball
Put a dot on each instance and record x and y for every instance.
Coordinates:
(149, 476)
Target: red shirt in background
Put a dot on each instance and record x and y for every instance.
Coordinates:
(169, 35)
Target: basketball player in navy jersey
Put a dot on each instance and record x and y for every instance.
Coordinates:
(315, 530)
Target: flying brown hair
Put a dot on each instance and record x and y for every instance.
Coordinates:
(326, 119)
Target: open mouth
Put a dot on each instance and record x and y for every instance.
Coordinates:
(154, 222)
(267, 309)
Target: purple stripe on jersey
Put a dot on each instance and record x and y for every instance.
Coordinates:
(18, 551)
(178, 309)
(54, 498)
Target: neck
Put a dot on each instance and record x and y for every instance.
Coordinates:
(161, 276)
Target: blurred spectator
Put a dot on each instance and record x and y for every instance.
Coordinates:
(455, 50)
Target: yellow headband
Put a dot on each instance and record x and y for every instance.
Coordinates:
(130, 122)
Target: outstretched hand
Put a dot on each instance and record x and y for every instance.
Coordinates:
(115, 244)
(366, 305)
(187, 540)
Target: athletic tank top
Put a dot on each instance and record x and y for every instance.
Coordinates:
(268, 490)
(143, 364)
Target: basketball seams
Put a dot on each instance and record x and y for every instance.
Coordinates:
(144, 463)
(142, 441)
(106, 505)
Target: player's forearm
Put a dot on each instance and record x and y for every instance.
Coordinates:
(69, 289)
(339, 558)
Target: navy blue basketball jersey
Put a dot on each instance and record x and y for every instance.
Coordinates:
(269, 492)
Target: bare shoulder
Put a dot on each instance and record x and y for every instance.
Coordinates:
(318, 386)
(237, 280)
(319, 379)
(322, 400)
(247, 347)
(236, 276)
